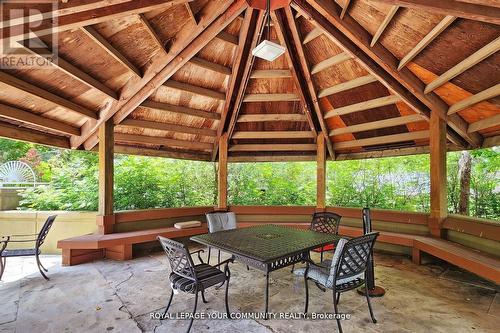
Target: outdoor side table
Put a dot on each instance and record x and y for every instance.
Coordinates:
(267, 247)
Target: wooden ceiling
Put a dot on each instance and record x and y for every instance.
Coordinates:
(174, 76)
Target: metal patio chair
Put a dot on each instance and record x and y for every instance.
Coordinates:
(190, 278)
(219, 221)
(39, 239)
(347, 270)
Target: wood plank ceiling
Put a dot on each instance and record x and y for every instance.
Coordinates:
(174, 76)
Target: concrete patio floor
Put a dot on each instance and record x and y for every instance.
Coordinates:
(110, 296)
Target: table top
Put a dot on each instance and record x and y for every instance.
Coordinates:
(266, 243)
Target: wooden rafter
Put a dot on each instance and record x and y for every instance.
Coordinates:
(30, 118)
(464, 65)
(384, 24)
(474, 99)
(304, 75)
(214, 17)
(467, 10)
(313, 34)
(436, 31)
(351, 36)
(25, 134)
(46, 95)
(390, 122)
(151, 32)
(211, 66)
(484, 123)
(332, 61)
(345, 8)
(74, 72)
(274, 135)
(354, 83)
(180, 110)
(250, 98)
(228, 38)
(110, 49)
(363, 106)
(89, 17)
(128, 150)
(271, 74)
(491, 141)
(195, 90)
(274, 147)
(382, 140)
(168, 127)
(191, 13)
(294, 66)
(161, 141)
(253, 118)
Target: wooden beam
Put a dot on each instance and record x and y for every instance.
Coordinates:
(73, 71)
(384, 24)
(362, 106)
(228, 38)
(195, 90)
(24, 134)
(321, 172)
(271, 158)
(357, 82)
(271, 74)
(253, 118)
(463, 9)
(180, 110)
(491, 141)
(390, 122)
(304, 76)
(33, 90)
(211, 66)
(313, 34)
(106, 170)
(381, 140)
(383, 153)
(271, 98)
(274, 147)
(345, 8)
(484, 123)
(274, 135)
(474, 99)
(294, 65)
(214, 17)
(379, 61)
(464, 65)
(89, 17)
(161, 141)
(436, 31)
(128, 150)
(222, 172)
(168, 127)
(191, 13)
(110, 49)
(34, 119)
(439, 207)
(152, 33)
(332, 61)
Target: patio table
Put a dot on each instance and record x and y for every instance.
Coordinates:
(267, 247)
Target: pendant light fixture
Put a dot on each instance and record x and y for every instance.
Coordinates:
(268, 50)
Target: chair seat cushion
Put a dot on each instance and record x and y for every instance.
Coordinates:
(207, 275)
(18, 253)
(320, 274)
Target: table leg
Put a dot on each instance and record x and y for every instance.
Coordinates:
(267, 294)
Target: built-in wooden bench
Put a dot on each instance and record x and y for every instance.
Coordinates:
(469, 259)
(116, 246)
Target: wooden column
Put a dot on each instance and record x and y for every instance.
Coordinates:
(105, 214)
(321, 173)
(222, 174)
(439, 205)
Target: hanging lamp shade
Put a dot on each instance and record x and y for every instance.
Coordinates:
(268, 50)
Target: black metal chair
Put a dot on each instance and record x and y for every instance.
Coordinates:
(40, 238)
(347, 270)
(190, 278)
(219, 221)
(325, 222)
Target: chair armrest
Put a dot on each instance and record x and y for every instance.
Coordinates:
(22, 241)
(199, 254)
(3, 243)
(23, 235)
(225, 262)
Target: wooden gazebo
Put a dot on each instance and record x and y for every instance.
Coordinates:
(359, 79)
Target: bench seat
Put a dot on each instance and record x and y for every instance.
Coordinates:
(469, 259)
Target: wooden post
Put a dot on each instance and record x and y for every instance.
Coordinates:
(222, 174)
(321, 173)
(105, 217)
(439, 207)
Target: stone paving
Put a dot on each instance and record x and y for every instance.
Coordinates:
(111, 296)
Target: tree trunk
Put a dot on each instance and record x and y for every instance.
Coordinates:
(464, 173)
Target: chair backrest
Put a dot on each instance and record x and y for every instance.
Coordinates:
(351, 257)
(45, 230)
(3, 243)
(218, 221)
(325, 222)
(178, 257)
